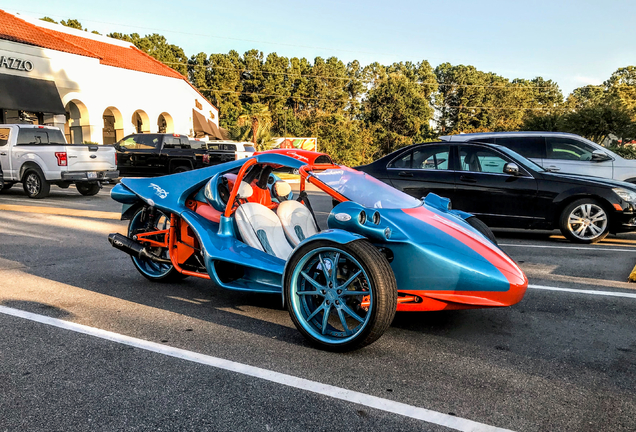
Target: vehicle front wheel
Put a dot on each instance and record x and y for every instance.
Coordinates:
(181, 169)
(482, 228)
(584, 221)
(151, 270)
(88, 189)
(34, 183)
(341, 297)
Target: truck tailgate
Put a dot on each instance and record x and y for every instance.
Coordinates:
(82, 157)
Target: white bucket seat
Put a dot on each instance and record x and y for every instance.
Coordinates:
(298, 223)
(261, 229)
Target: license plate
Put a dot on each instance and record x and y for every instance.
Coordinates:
(91, 175)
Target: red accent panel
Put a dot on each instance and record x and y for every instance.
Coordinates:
(307, 156)
(454, 300)
(494, 255)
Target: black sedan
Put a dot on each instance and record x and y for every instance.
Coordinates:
(507, 190)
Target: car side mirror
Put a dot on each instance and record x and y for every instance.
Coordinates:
(599, 156)
(511, 169)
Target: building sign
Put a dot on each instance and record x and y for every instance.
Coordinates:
(198, 104)
(15, 64)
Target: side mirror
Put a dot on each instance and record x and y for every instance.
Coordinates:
(599, 156)
(511, 169)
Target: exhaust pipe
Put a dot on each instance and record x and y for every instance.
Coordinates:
(134, 248)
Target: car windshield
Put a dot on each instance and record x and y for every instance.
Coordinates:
(523, 160)
(364, 189)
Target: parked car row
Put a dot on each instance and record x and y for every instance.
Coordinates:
(150, 155)
(505, 189)
(39, 156)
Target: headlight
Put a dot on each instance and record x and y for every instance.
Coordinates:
(625, 195)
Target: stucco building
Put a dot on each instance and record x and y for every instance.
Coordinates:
(95, 88)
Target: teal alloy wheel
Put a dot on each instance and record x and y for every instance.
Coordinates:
(340, 297)
(154, 271)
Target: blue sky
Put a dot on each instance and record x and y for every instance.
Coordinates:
(571, 42)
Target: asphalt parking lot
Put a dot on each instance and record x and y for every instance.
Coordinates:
(185, 356)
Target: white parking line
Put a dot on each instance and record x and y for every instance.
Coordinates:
(617, 249)
(390, 406)
(578, 291)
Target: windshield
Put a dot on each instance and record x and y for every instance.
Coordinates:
(364, 189)
(527, 162)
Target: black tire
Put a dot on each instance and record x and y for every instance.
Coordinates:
(594, 221)
(152, 272)
(482, 228)
(6, 186)
(181, 168)
(383, 289)
(34, 183)
(88, 189)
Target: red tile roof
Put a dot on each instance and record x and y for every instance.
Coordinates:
(17, 30)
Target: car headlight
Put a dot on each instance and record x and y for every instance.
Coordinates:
(625, 195)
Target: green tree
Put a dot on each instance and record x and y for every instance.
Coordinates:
(72, 23)
(48, 19)
(158, 47)
(258, 118)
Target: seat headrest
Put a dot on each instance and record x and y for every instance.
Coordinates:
(281, 189)
(245, 191)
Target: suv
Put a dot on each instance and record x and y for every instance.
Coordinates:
(561, 152)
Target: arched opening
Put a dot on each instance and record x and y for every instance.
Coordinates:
(141, 122)
(77, 127)
(113, 129)
(165, 124)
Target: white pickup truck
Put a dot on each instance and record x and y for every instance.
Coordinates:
(38, 156)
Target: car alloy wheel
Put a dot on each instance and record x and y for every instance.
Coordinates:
(33, 184)
(587, 221)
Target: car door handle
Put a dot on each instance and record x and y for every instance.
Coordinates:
(468, 179)
(554, 168)
(405, 174)
(3, 154)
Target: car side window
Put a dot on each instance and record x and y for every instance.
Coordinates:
(140, 142)
(479, 159)
(4, 136)
(530, 147)
(568, 149)
(431, 157)
(403, 161)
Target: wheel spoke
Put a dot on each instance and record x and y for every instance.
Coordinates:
(351, 279)
(599, 217)
(343, 321)
(334, 269)
(351, 313)
(595, 230)
(580, 230)
(587, 209)
(325, 318)
(311, 281)
(354, 293)
(314, 313)
(575, 220)
(310, 293)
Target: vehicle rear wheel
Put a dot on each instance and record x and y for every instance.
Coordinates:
(341, 297)
(181, 169)
(151, 270)
(88, 189)
(35, 184)
(584, 221)
(482, 228)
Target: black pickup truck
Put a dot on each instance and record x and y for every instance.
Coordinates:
(155, 154)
